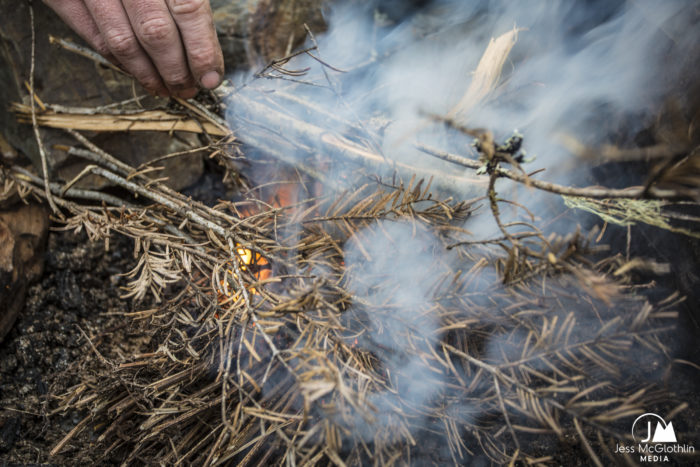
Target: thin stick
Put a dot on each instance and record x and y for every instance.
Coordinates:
(144, 120)
(587, 192)
(135, 188)
(87, 53)
(327, 142)
(374, 143)
(111, 200)
(75, 192)
(37, 135)
(251, 312)
(77, 429)
(586, 444)
(199, 110)
(505, 412)
(176, 198)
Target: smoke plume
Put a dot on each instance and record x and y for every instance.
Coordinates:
(578, 69)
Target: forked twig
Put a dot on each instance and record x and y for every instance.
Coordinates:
(588, 192)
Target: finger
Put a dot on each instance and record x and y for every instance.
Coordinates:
(159, 36)
(76, 15)
(196, 24)
(119, 37)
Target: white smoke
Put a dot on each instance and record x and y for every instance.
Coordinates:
(577, 69)
(394, 273)
(577, 65)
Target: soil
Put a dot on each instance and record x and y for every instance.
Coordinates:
(39, 358)
(42, 357)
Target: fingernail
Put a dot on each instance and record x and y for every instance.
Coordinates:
(210, 80)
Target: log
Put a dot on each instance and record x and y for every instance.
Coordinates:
(23, 233)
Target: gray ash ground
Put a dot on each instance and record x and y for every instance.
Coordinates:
(41, 357)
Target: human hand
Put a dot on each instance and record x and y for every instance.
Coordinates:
(169, 46)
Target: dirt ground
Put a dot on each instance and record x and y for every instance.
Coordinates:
(44, 354)
(40, 358)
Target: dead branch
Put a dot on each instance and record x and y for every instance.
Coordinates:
(587, 192)
(149, 120)
(337, 145)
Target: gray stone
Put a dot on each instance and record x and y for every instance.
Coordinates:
(254, 32)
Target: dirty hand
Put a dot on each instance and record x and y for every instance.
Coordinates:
(169, 46)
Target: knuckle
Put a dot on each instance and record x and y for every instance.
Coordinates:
(155, 30)
(179, 81)
(187, 7)
(121, 43)
(98, 42)
(103, 49)
(203, 57)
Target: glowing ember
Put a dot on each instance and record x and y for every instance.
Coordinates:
(282, 195)
(247, 260)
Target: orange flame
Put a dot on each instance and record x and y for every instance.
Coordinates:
(282, 195)
(247, 260)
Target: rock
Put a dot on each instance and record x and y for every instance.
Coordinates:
(254, 32)
(23, 233)
(7, 152)
(68, 79)
(181, 172)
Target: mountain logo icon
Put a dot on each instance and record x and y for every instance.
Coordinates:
(662, 433)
